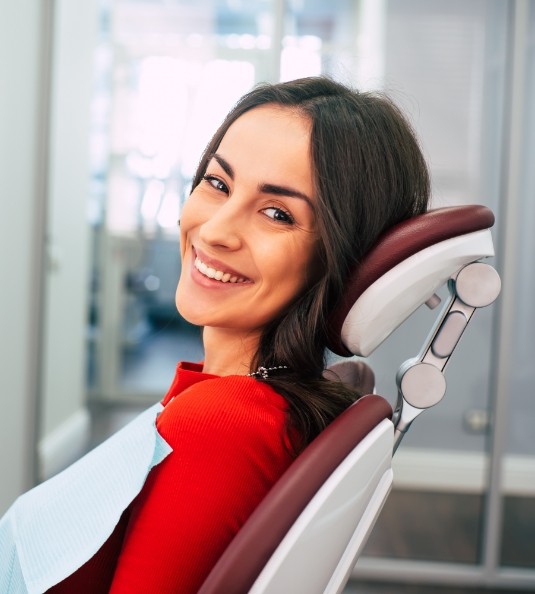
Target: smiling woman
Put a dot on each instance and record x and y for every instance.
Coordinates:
(293, 189)
(248, 235)
(339, 165)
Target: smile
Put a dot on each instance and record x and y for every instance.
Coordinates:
(219, 275)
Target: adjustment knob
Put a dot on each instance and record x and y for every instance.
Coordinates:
(478, 284)
(423, 385)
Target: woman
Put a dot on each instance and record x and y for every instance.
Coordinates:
(294, 188)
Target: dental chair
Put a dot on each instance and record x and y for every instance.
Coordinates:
(306, 535)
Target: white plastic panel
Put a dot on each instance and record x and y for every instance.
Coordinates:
(397, 294)
(335, 524)
(360, 537)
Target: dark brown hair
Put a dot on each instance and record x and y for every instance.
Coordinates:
(369, 175)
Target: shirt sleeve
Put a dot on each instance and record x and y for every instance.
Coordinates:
(229, 448)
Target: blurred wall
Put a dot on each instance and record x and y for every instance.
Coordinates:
(44, 155)
(23, 56)
(64, 419)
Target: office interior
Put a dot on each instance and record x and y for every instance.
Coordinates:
(105, 107)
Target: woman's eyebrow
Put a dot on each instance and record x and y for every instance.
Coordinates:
(265, 188)
(225, 165)
(285, 191)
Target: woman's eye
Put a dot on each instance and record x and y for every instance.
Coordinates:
(216, 183)
(279, 215)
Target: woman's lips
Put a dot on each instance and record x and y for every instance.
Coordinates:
(216, 271)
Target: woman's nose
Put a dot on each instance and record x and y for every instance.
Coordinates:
(224, 227)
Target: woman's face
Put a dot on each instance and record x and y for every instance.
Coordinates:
(248, 229)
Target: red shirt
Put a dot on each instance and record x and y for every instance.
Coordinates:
(230, 445)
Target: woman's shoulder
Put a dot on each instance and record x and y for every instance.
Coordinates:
(243, 387)
(190, 379)
(228, 402)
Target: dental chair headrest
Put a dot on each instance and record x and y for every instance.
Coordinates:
(403, 270)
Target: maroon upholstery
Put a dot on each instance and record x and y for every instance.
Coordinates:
(399, 243)
(252, 547)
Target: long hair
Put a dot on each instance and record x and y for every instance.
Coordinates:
(369, 175)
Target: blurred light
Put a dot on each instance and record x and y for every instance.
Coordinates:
(310, 42)
(152, 199)
(300, 57)
(169, 210)
(161, 106)
(139, 165)
(122, 209)
(161, 165)
(152, 283)
(221, 83)
(247, 41)
(263, 42)
(194, 40)
(233, 41)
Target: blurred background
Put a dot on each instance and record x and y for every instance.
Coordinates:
(105, 107)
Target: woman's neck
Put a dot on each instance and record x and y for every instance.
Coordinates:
(228, 352)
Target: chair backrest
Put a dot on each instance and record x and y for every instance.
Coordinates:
(307, 533)
(250, 551)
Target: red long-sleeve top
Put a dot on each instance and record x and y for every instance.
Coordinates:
(230, 445)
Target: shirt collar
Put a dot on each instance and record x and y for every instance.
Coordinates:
(186, 375)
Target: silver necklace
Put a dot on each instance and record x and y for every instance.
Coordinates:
(263, 372)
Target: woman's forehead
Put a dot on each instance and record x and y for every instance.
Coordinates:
(275, 121)
(269, 146)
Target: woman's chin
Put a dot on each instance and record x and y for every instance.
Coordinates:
(187, 314)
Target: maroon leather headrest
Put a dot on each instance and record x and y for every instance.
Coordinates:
(399, 243)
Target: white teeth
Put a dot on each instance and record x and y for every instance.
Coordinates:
(219, 275)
